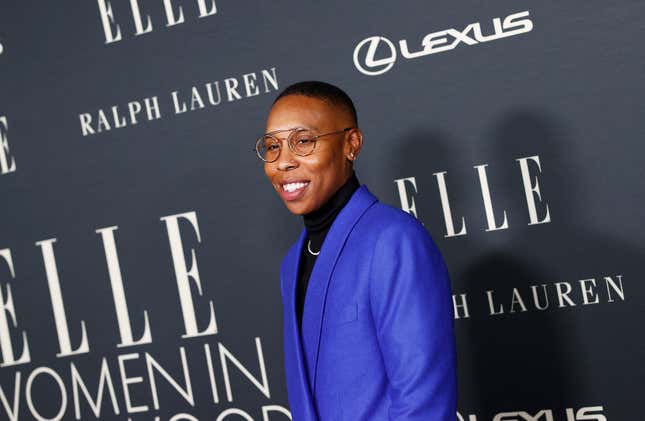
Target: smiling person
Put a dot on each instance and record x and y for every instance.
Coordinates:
(368, 318)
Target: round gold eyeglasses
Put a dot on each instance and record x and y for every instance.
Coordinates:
(301, 141)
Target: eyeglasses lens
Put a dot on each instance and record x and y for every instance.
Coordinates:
(302, 142)
(268, 148)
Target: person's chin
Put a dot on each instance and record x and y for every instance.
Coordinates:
(297, 208)
(300, 205)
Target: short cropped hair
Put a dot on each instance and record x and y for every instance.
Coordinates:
(324, 91)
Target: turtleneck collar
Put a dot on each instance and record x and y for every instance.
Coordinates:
(318, 222)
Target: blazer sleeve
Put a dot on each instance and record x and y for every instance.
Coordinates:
(411, 305)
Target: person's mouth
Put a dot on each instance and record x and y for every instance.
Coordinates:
(293, 190)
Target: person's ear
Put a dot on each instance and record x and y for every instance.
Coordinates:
(354, 144)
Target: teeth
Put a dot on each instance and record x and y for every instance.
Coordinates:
(291, 187)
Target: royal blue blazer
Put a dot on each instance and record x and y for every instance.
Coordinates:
(377, 337)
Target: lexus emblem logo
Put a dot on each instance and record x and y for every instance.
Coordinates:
(376, 55)
(367, 51)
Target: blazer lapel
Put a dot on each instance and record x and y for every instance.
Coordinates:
(316, 296)
(301, 406)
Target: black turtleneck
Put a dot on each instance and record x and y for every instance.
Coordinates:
(317, 224)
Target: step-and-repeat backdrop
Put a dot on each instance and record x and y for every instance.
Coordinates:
(140, 242)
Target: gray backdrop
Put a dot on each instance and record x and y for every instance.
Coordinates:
(501, 122)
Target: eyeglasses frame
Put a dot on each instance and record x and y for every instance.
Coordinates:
(289, 143)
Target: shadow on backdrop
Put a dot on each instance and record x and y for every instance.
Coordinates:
(565, 355)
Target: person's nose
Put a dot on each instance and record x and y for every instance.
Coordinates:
(287, 160)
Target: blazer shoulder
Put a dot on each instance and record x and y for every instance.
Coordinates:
(382, 219)
(387, 228)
